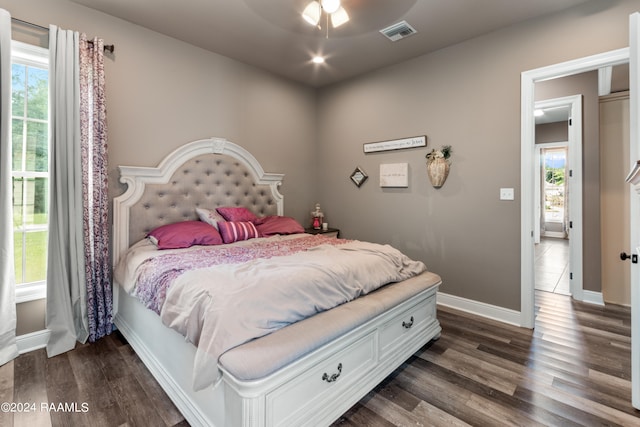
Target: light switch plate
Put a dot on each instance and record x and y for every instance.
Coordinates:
(506, 194)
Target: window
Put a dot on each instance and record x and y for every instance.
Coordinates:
(555, 161)
(30, 171)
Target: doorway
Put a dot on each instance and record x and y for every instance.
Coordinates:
(552, 249)
(629, 56)
(558, 203)
(529, 80)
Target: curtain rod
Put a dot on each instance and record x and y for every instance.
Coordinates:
(107, 47)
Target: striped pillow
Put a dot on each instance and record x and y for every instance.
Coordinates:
(234, 231)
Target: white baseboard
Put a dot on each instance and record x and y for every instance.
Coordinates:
(592, 297)
(501, 314)
(39, 339)
(494, 312)
(32, 341)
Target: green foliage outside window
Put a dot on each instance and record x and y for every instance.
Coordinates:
(30, 151)
(554, 176)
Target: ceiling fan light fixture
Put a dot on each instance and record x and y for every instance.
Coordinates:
(339, 17)
(330, 6)
(312, 13)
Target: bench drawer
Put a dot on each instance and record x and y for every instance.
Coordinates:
(402, 327)
(290, 403)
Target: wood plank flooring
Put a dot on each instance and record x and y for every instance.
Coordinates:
(573, 370)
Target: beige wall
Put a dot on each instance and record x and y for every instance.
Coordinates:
(552, 132)
(615, 199)
(162, 93)
(468, 96)
(30, 316)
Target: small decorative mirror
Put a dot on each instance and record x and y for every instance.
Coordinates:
(358, 176)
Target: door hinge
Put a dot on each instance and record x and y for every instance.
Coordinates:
(570, 173)
(570, 224)
(570, 276)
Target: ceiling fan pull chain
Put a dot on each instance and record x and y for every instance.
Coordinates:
(327, 26)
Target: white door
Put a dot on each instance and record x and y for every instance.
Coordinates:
(634, 109)
(614, 197)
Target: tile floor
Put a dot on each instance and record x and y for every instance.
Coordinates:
(552, 265)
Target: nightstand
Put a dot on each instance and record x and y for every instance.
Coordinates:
(330, 232)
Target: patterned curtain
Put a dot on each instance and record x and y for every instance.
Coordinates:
(93, 135)
(79, 303)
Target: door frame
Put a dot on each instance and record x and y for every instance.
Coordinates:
(527, 142)
(574, 102)
(634, 201)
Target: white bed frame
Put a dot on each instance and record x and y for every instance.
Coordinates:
(314, 390)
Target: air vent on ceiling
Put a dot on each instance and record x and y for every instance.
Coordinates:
(398, 31)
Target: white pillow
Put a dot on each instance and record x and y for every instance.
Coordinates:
(209, 216)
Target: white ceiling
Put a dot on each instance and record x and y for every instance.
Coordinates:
(554, 114)
(271, 34)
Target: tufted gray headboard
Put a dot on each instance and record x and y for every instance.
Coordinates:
(208, 181)
(207, 173)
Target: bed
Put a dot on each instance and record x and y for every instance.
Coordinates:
(306, 373)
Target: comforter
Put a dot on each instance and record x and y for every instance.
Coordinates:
(223, 296)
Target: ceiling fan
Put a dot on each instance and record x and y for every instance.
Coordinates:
(313, 12)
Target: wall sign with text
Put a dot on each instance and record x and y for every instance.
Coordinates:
(395, 144)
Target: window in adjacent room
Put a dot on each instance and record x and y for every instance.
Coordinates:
(30, 171)
(556, 218)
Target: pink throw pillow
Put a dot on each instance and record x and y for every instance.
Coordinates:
(274, 224)
(236, 214)
(234, 231)
(185, 234)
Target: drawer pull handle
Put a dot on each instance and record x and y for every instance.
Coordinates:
(333, 377)
(408, 325)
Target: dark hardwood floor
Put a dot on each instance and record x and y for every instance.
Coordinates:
(574, 369)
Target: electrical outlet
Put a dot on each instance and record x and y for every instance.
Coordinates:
(507, 194)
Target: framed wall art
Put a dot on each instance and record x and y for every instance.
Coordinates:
(358, 176)
(394, 175)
